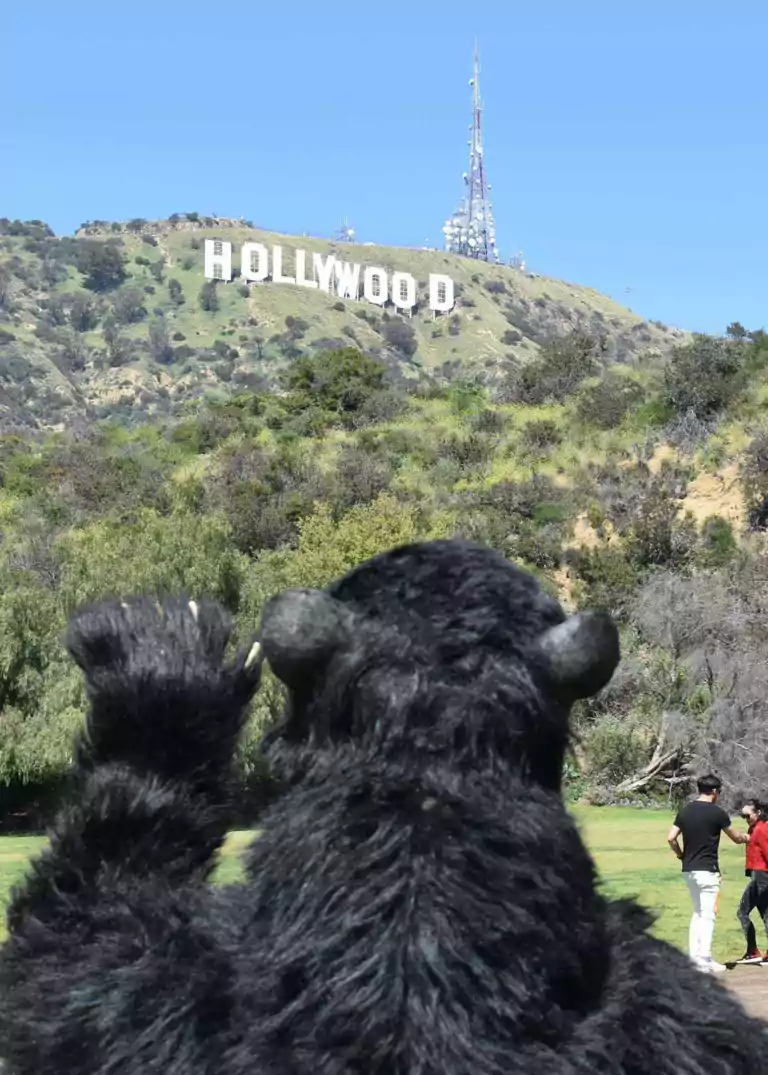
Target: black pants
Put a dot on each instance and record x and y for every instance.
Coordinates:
(755, 895)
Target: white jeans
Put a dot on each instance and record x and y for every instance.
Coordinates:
(704, 889)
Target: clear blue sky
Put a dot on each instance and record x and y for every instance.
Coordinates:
(627, 142)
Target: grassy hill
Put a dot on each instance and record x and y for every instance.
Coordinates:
(76, 346)
(285, 436)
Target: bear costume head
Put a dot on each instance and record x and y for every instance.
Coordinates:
(443, 647)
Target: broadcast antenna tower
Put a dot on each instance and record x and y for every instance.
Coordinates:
(471, 231)
(345, 234)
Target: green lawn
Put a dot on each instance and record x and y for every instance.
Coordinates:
(629, 847)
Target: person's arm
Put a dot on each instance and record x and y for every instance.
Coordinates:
(737, 837)
(673, 839)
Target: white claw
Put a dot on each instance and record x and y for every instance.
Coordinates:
(193, 608)
(253, 654)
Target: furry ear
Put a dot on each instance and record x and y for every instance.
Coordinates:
(300, 632)
(581, 654)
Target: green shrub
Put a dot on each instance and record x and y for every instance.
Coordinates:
(540, 433)
(333, 381)
(488, 420)
(559, 369)
(208, 298)
(718, 543)
(615, 747)
(470, 450)
(705, 376)
(605, 402)
(657, 537)
(753, 473)
(607, 579)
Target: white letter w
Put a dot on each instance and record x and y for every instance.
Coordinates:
(348, 280)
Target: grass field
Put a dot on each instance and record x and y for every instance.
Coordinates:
(629, 847)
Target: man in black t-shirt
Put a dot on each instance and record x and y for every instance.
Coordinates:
(700, 823)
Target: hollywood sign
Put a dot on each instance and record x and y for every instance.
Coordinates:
(326, 273)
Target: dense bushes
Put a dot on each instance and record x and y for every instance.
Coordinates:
(540, 433)
(528, 521)
(607, 577)
(263, 495)
(208, 299)
(102, 264)
(262, 490)
(360, 476)
(558, 370)
(128, 306)
(400, 335)
(754, 480)
(605, 401)
(705, 375)
(341, 383)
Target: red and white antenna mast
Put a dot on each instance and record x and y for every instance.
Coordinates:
(471, 231)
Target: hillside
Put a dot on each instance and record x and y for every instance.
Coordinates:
(88, 334)
(641, 489)
(625, 465)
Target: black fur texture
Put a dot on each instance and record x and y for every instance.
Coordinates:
(418, 902)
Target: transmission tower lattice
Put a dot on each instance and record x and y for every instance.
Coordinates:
(471, 231)
(345, 234)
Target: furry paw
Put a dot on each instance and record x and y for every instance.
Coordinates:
(161, 698)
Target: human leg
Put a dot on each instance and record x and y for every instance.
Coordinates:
(746, 906)
(761, 896)
(709, 896)
(705, 890)
(694, 930)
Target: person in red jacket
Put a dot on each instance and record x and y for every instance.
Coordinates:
(756, 869)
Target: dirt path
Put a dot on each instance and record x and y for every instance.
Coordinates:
(750, 985)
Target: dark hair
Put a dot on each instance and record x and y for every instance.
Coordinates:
(709, 784)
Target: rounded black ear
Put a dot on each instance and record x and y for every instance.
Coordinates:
(300, 632)
(581, 654)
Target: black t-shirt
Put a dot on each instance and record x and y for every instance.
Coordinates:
(701, 824)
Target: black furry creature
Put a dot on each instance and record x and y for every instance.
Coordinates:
(418, 902)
